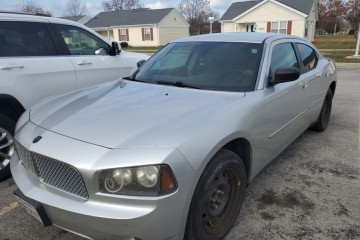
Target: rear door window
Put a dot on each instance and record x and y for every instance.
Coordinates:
(283, 56)
(25, 39)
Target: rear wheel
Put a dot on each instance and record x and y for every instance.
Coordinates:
(7, 128)
(324, 117)
(217, 199)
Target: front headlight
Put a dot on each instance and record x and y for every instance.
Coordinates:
(138, 181)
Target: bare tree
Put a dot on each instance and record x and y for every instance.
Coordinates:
(331, 14)
(353, 13)
(74, 8)
(32, 7)
(117, 5)
(197, 13)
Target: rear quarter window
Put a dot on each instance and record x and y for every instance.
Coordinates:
(25, 39)
(308, 56)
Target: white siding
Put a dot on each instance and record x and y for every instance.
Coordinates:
(168, 34)
(228, 27)
(135, 36)
(104, 34)
(311, 23)
(172, 27)
(173, 19)
(268, 12)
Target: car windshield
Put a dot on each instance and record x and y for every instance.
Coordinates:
(224, 66)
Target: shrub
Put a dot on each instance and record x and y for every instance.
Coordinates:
(124, 44)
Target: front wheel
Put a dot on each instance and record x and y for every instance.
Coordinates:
(217, 199)
(7, 127)
(324, 117)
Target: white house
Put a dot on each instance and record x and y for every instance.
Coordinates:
(141, 27)
(297, 17)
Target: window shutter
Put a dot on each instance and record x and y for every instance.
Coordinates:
(268, 27)
(143, 34)
(151, 34)
(119, 35)
(127, 34)
(289, 27)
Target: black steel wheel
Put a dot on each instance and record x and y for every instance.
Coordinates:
(218, 198)
(324, 117)
(7, 127)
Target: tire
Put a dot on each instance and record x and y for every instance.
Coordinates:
(324, 117)
(7, 128)
(217, 199)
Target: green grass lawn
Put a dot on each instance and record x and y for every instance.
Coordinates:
(335, 42)
(340, 56)
(346, 42)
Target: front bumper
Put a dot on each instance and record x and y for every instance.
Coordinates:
(111, 217)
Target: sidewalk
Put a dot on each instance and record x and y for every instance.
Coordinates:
(336, 50)
(348, 65)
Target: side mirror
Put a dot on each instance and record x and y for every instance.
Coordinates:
(115, 49)
(285, 75)
(140, 63)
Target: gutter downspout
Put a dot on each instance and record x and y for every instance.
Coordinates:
(158, 34)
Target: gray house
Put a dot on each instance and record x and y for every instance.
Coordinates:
(141, 27)
(297, 17)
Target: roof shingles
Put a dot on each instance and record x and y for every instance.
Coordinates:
(128, 17)
(239, 8)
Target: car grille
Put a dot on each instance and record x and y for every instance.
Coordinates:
(52, 172)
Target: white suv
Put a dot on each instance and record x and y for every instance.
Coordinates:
(42, 56)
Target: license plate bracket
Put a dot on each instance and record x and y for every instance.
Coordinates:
(32, 207)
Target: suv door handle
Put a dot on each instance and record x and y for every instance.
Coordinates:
(11, 66)
(83, 62)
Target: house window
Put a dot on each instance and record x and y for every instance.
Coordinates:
(279, 27)
(147, 34)
(123, 34)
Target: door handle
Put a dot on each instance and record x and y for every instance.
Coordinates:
(11, 66)
(83, 62)
(304, 86)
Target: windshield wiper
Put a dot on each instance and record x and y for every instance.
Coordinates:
(177, 84)
(132, 79)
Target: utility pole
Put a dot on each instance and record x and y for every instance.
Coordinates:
(357, 44)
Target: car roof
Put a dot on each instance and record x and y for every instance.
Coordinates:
(21, 16)
(252, 37)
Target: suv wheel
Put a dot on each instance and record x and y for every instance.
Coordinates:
(7, 127)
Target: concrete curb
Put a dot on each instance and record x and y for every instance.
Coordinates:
(348, 65)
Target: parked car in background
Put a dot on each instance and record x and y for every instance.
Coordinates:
(43, 56)
(167, 153)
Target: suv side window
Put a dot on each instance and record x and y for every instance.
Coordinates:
(25, 39)
(283, 55)
(81, 42)
(308, 56)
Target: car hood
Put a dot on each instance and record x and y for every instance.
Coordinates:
(126, 114)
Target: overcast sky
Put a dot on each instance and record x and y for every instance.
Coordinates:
(95, 6)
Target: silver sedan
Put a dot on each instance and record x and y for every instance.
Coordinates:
(168, 152)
